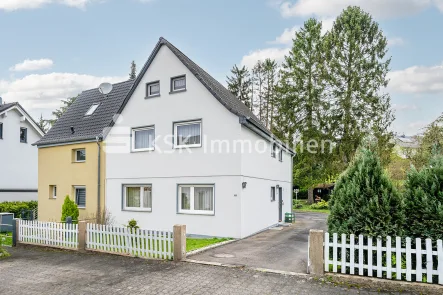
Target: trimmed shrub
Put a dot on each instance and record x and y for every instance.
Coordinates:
(423, 198)
(365, 201)
(322, 205)
(69, 208)
(17, 207)
(297, 204)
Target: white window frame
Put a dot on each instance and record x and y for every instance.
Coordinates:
(274, 150)
(75, 156)
(280, 155)
(191, 210)
(133, 139)
(178, 78)
(149, 85)
(141, 208)
(54, 192)
(273, 193)
(25, 133)
(177, 124)
(92, 109)
(75, 195)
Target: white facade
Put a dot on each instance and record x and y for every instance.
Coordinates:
(238, 212)
(19, 160)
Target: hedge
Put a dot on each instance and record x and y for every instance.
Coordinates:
(17, 207)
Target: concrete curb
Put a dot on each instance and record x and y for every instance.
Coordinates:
(204, 249)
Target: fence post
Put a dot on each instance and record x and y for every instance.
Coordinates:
(15, 231)
(179, 242)
(81, 235)
(316, 253)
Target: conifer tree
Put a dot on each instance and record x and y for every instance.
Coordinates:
(423, 198)
(69, 209)
(357, 64)
(239, 84)
(133, 73)
(258, 81)
(269, 101)
(58, 113)
(365, 201)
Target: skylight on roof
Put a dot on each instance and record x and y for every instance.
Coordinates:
(92, 109)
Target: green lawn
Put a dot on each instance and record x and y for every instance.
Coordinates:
(6, 239)
(306, 208)
(194, 244)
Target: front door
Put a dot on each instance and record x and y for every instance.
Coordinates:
(280, 204)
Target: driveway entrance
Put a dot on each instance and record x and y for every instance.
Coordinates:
(283, 248)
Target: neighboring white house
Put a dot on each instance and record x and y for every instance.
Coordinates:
(18, 158)
(406, 146)
(174, 155)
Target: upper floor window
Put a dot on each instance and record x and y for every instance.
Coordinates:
(153, 89)
(53, 192)
(187, 134)
(1, 130)
(80, 155)
(92, 109)
(280, 155)
(143, 139)
(274, 150)
(23, 135)
(178, 84)
(273, 194)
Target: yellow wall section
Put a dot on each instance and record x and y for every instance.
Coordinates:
(56, 166)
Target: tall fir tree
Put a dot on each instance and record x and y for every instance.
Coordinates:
(365, 201)
(303, 106)
(258, 80)
(357, 64)
(133, 73)
(239, 84)
(269, 100)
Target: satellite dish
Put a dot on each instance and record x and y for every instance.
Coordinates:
(105, 88)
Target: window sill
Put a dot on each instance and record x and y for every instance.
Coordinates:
(152, 96)
(78, 162)
(177, 91)
(196, 213)
(136, 210)
(81, 208)
(142, 150)
(53, 198)
(187, 146)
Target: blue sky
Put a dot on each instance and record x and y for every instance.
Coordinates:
(52, 49)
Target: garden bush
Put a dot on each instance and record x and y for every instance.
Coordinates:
(17, 207)
(297, 204)
(365, 200)
(322, 205)
(423, 198)
(69, 208)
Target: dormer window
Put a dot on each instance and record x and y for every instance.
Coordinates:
(92, 109)
(153, 89)
(178, 84)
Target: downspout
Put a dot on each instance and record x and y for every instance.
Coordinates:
(98, 140)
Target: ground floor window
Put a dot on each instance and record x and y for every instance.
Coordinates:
(137, 197)
(196, 199)
(80, 196)
(273, 194)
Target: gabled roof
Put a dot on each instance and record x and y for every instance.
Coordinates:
(15, 105)
(223, 95)
(87, 128)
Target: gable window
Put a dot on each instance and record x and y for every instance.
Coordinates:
(143, 139)
(187, 134)
(274, 150)
(196, 199)
(23, 135)
(80, 196)
(273, 194)
(92, 109)
(280, 155)
(137, 197)
(153, 89)
(80, 155)
(178, 84)
(1, 130)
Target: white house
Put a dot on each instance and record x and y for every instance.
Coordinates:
(184, 150)
(18, 173)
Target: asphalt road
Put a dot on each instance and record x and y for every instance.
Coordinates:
(285, 249)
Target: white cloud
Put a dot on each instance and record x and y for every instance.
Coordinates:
(11, 5)
(405, 107)
(273, 53)
(286, 37)
(32, 65)
(417, 79)
(44, 92)
(396, 41)
(378, 8)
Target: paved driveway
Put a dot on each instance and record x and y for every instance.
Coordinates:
(285, 249)
(35, 272)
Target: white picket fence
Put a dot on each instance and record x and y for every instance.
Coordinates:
(53, 234)
(356, 257)
(137, 242)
